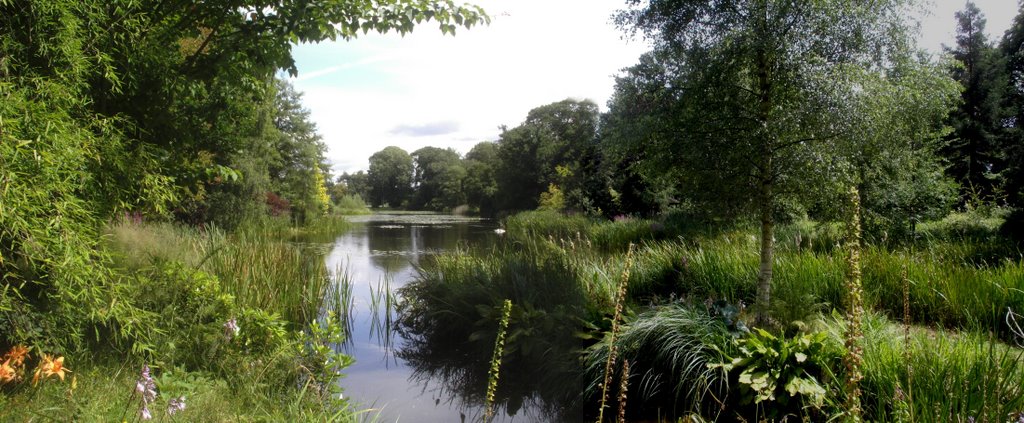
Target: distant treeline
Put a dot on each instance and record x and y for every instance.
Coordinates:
(919, 137)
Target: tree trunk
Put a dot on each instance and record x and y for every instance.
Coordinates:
(764, 276)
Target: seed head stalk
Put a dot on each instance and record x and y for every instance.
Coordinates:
(855, 310)
(620, 299)
(906, 342)
(499, 348)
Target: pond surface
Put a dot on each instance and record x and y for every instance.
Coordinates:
(380, 254)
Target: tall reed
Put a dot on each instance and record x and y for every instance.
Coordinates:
(256, 266)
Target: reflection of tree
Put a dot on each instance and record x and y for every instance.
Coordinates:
(461, 375)
(448, 319)
(389, 244)
(396, 247)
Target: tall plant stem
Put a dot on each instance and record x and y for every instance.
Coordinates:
(620, 299)
(855, 310)
(499, 348)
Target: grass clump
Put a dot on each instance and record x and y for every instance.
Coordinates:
(672, 349)
(255, 266)
(450, 315)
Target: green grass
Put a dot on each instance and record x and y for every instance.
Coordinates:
(449, 316)
(961, 287)
(955, 375)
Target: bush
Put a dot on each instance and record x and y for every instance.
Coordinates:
(971, 224)
(351, 204)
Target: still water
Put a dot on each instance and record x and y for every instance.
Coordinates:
(380, 254)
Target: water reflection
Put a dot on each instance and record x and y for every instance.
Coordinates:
(392, 374)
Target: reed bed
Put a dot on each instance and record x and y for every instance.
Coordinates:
(254, 264)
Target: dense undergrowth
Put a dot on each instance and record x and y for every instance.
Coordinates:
(230, 323)
(687, 334)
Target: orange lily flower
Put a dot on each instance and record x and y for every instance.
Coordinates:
(17, 355)
(7, 372)
(49, 367)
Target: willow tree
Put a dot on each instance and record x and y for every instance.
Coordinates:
(761, 95)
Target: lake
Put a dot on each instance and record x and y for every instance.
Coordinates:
(380, 254)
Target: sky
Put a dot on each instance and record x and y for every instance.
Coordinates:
(428, 89)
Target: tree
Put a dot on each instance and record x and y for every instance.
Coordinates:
(437, 179)
(640, 117)
(353, 183)
(297, 175)
(561, 134)
(761, 90)
(1012, 139)
(480, 185)
(972, 148)
(894, 148)
(390, 177)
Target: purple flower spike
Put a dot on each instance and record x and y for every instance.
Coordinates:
(146, 387)
(175, 405)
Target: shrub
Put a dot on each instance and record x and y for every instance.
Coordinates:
(351, 204)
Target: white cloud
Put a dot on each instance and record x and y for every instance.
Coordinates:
(534, 52)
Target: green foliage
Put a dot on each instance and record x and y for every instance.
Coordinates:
(752, 119)
(55, 286)
(390, 177)
(977, 225)
(901, 182)
(561, 134)
(449, 316)
(352, 184)
(784, 375)
(438, 176)
(551, 200)
(321, 359)
(189, 309)
(546, 224)
(481, 186)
